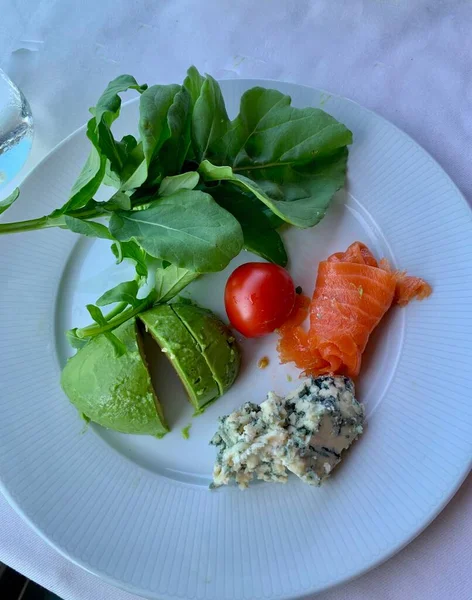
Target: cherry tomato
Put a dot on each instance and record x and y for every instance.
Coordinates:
(259, 297)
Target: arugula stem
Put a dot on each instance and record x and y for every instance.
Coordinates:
(51, 221)
(119, 308)
(31, 225)
(113, 314)
(45, 222)
(116, 321)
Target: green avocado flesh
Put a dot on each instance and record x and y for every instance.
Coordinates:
(215, 341)
(184, 353)
(115, 392)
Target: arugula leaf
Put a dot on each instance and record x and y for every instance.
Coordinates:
(172, 280)
(266, 243)
(164, 126)
(92, 173)
(109, 104)
(268, 131)
(209, 119)
(187, 229)
(184, 181)
(98, 317)
(89, 179)
(291, 159)
(298, 195)
(96, 314)
(134, 252)
(134, 168)
(119, 201)
(123, 292)
(258, 228)
(105, 150)
(301, 194)
(5, 204)
(111, 178)
(175, 148)
(193, 83)
(154, 107)
(255, 104)
(135, 172)
(169, 157)
(106, 112)
(88, 228)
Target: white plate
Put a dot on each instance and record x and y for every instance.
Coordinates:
(135, 510)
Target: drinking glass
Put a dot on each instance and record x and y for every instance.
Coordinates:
(16, 129)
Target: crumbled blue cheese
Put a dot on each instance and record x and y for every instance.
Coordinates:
(247, 442)
(304, 433)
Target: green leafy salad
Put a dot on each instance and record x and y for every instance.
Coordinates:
(186, 195)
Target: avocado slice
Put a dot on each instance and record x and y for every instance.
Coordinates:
(184, 353)
(115, 392)
(215, 340)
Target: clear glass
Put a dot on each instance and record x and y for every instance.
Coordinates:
(16, 129)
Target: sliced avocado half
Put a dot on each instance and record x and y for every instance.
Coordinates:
(115, 392)
(215, 340)
(184, 353)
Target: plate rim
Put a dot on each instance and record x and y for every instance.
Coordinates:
(433, 513)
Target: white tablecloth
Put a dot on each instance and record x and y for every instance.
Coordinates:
(409, 60)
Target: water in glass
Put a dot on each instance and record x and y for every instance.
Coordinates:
(16, 129)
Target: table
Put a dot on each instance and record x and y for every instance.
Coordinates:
(409, 61)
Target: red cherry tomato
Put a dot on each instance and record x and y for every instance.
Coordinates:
(259, 297)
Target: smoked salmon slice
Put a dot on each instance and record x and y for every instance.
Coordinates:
(352, 294)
